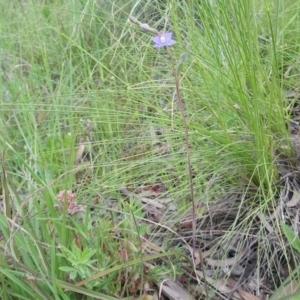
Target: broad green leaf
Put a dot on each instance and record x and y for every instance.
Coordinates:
(293, 239)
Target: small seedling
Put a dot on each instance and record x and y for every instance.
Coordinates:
(81, 261)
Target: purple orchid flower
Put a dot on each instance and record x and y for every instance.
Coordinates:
(163, 39)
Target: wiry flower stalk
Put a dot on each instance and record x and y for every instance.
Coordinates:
(163, 39)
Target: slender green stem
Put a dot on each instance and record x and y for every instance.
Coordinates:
(188, 154)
